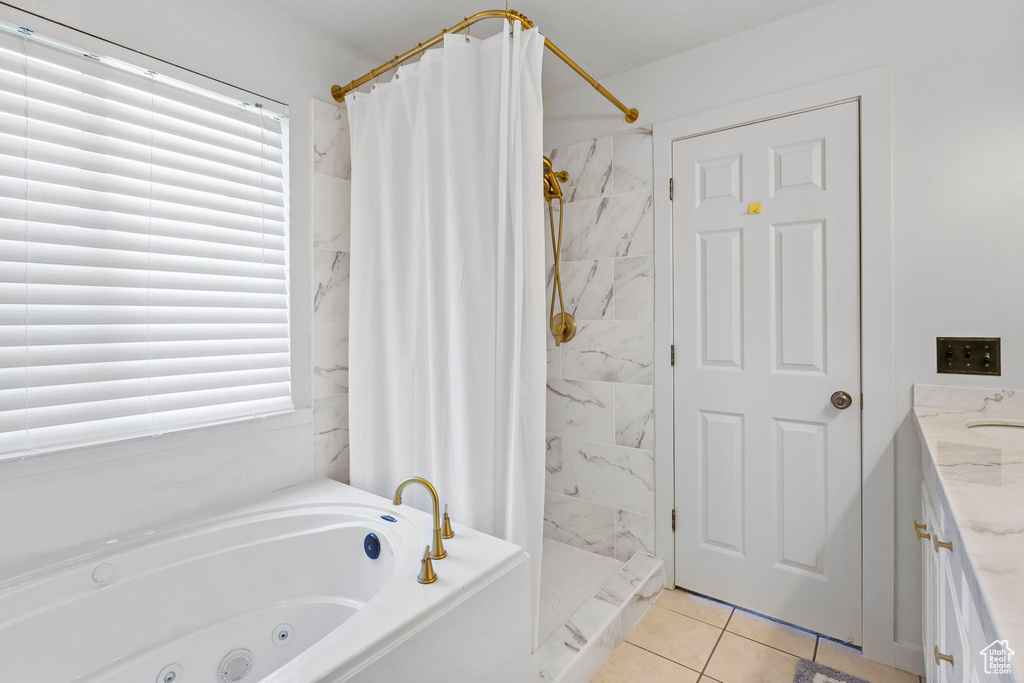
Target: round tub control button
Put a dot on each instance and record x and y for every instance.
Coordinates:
(371, 544)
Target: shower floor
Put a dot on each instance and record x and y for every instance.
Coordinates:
(568, 578)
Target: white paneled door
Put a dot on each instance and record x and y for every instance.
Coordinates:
(767, 330)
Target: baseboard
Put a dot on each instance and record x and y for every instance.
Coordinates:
(909, 658)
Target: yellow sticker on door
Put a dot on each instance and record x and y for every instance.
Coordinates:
(754, 207)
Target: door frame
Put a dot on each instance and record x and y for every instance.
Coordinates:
(872, 89)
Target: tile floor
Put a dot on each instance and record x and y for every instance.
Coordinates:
(568, 578)
(685, 638)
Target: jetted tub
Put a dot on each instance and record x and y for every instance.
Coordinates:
(281, 590)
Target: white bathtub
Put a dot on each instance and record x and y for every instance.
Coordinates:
(287, 580)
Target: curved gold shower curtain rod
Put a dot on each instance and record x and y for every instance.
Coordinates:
(339, 92)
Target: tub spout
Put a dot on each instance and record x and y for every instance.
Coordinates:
(437, 550)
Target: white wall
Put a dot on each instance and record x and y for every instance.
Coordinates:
(958, 148)
(51, 503)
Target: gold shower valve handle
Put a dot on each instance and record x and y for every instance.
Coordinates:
(563, 327)
(939, 657)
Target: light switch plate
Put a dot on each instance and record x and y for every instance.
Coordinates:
(968, 355)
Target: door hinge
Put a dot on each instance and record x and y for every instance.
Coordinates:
(862, 401)
(672, 354)
(673, 520)
(671, 189)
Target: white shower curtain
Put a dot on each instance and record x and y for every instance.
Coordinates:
(447, 325)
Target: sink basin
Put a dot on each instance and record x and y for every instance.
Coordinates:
(1006, 431)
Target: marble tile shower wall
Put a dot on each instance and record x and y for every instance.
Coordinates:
(600, 393)
(332, 173)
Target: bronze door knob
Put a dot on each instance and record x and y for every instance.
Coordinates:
(842, 400)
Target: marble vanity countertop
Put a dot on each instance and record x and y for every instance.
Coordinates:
(981, 479)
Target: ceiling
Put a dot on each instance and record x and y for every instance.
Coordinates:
(605, 37)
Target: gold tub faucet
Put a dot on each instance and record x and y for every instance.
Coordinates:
(437, 550)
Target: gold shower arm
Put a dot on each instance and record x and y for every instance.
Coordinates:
(339, 92)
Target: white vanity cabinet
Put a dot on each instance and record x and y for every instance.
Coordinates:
(972, 551)
(953, 634)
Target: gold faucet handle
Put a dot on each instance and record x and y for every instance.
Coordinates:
(446, 525)
(427, 573)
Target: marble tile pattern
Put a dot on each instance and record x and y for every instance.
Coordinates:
(633, 160)
(634, 415)
(633, 297)
(579, 523)
(980, 479)
(331, 151)
(600, 384)
(611, 351)
(554, 358)
(578, 649)
(331, 282)
(581, 409)
(968, 398)
(586, 289)
(633, 533)
(330, 227)
(330, 359)
(597, 528)
(609, 227)
(553, 464)
(330, 433)
(332, 204)
(589, 164)
(619, 477)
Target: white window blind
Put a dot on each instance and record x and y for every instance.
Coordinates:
(143, 251)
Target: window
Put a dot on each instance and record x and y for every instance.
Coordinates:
(143, 251)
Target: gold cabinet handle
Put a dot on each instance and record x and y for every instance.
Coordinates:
(936, 543)
(939, 657)
(918, 528)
